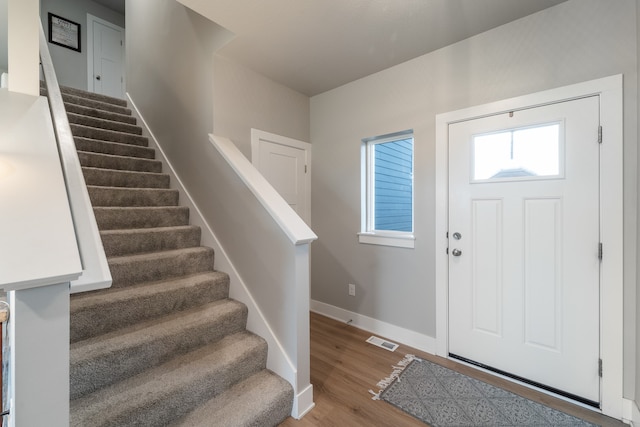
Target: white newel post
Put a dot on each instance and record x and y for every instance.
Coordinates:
(303, 401)
(39, 365)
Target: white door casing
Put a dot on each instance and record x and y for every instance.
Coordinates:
(609, 91)
(105, 57)
(285, 163)
(524, 280)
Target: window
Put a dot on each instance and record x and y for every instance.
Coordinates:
(387, 190)
(518, 154)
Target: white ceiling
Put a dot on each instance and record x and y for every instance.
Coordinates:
(316, 45)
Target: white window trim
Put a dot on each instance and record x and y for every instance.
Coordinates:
(367, 235)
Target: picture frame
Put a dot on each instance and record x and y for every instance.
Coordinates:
(64, 32)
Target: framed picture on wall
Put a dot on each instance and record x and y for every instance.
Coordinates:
(64, 32)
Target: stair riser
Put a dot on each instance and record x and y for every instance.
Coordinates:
(108, 135)
(107, 196)
(112, 178)
(119, 243)
(128, 218)
(111, 314)
(177, 402)
(127, 272)
(113, 148)
(103, 124)
(114, 364)
(100, 114)
(105, 161)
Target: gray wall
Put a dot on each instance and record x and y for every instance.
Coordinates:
(71, 66)
(4, 43)
(573, 42)
(244, 99)
(637, 299)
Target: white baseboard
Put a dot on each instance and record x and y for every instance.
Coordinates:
(303, 403)
(277, 359)
(386, 330)
(630, 412)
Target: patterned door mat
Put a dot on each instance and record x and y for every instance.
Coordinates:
(441, 397)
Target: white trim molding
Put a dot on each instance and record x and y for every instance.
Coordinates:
(630, 412)
(386, 330)
(609, 90)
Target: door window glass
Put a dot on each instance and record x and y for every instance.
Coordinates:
(518, 154)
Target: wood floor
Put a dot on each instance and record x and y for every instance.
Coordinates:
(344, 368)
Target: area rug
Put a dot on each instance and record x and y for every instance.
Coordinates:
(441, 397)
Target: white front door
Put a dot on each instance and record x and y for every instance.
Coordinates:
(106, 75)
(524, 244)
(284, 162)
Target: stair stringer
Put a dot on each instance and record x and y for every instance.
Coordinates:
(277, 359)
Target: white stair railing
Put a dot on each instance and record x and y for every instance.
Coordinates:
(95, 273)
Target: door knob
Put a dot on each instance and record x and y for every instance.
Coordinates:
(456, 252)
(97, 77)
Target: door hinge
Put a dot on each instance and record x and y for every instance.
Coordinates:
(600, 251)
(600, 368)
(121, 44)
(599, 134)
(305, 168)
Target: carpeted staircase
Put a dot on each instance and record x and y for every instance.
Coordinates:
(164, 346)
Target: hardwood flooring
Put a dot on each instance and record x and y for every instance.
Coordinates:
(344, 368)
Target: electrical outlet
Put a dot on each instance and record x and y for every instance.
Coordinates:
(352, 289)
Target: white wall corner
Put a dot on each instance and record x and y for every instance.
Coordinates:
(386, 330)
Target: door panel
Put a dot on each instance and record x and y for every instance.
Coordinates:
(107, 60)
(285, 169)
(524, 288)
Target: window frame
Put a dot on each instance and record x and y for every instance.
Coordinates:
(368, 234)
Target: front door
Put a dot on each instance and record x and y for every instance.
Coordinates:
(524, 245)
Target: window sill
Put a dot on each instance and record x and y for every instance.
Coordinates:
(399, 241)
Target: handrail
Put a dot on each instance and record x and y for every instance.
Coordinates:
(95, 274)
(289, 221)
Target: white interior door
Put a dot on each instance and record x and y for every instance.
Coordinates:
(284, 162)
(524, 244)
(106, 71)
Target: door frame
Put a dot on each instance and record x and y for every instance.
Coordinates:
(90, 20)
(609, 90)
(258, 135)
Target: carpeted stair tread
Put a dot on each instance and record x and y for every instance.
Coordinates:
(111, 161)
(115, 148)
(91, 103)
(78, 119)
(164, 345)
(93, 96)
(122, 196)
(108, 135)
(112, 218)
(88, 95)
(106, 359)
(120, 178)
(105, 311)
(166, 393)
(132, 269)
(100, 114)
(143, 240)
(264, 399)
